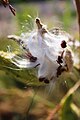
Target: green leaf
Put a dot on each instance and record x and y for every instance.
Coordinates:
(27, 76)
(66, 112)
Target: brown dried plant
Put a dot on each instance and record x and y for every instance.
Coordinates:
(77, 2)
(6, 3)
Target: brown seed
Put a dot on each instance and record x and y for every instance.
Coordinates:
(63, 44)
(59, 60)
(30, 56)
(60, 69)
(46, 81)
(41, 79)
(33, 59)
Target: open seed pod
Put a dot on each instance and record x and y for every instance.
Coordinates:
(48, 51)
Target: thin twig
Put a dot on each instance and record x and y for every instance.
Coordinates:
(71, 91)
(59, 106)
(53, 112)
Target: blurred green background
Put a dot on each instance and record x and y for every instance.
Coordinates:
(22, 97)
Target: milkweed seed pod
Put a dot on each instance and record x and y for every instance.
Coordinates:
(48, 51)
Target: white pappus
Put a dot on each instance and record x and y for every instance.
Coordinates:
(48, 51)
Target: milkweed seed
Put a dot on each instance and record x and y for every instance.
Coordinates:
(63, 44)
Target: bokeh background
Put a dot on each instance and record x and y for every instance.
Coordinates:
(22, 97)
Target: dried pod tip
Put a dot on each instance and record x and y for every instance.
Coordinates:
(39, 24)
